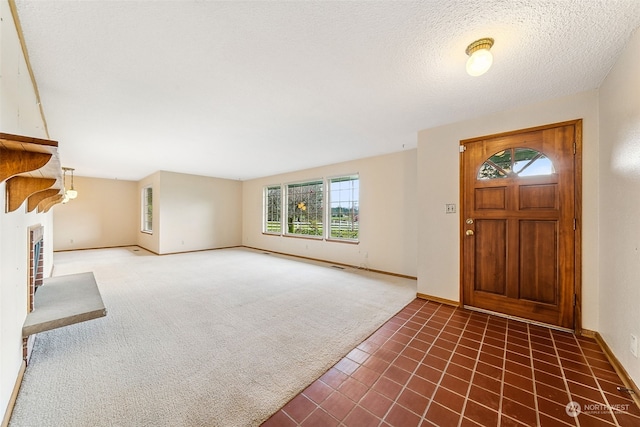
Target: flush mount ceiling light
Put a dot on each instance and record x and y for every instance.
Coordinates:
(480, 57)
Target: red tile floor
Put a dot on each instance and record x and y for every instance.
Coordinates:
(435, 365)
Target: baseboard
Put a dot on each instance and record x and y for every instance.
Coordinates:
(14, 395)
(388, 273)
(617, 366)
(438, 299)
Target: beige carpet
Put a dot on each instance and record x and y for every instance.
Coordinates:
(215, 338)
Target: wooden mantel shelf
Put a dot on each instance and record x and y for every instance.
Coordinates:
(30, 166)
(63, 301)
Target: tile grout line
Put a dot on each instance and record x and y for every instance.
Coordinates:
(426, 352)
(504, 366)
(593, 374)
(473, 372)
(564, 378)
(533, 376)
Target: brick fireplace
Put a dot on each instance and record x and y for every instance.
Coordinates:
(36, 277)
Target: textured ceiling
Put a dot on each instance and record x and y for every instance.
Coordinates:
(246, 89)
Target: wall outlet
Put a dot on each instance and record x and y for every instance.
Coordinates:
(633, 346)
(450, 208)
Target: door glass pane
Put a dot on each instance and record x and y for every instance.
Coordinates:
(516, 162)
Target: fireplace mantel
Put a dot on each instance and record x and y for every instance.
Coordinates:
(63, 301)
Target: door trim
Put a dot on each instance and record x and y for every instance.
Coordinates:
(577, 160)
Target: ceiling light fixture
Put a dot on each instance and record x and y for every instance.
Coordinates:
(71, 193)
(480, 57)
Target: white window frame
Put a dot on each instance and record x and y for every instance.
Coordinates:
(147, 216)
(287, 225)
(329, 206)
(265, 209)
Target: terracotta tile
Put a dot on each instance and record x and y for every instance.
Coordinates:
(517, 348)
(495, 372)
(492, 350)
(401, 339)
(578, 377)
(320, 418)
(548, 421)
(552, 393)
(333, 378)
(386, 354)
(448, 399)
(421, 386)
(318, 391)
(518, 411)
(440, 352)
(550, 380)
(518, 381)
(338, 405)
(434, 362)
(347, 366)
(360, 417)
(279, 419)
(299, 408)
(553, 409)
(518, 358)
(464, 361)
(491, 359)
(459, 371)
(376, 403)
(484, 397)
(358, 355)
(516, 394)
(506, 421)
(353, 389)
(429, 373)
(589, 421)
(499, 343)
(406, 363)
(583, 391)
(413, 353)
(480, 414)
(413, 401)
(454, 384)
(398, 375)
(442, 416)
(623, 403)
(387, 387)
(487, 383)
(549, 368)
(368, 347)
(420, 345)
(466, 422)
(376, 364)
(545, 356)
(399, 416)
(366, 375)
(626, 419)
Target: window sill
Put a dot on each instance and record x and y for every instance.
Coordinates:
(146, 232)
(303, 236)
(350, 242)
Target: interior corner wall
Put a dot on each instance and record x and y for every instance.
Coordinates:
(19, 114)
(105, 214)
(388, 215)
(198, 213)
(439, 184)
(620, 206)
(149, 241)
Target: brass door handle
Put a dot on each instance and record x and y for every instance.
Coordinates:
(469, 233)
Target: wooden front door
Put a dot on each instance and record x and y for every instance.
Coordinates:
(519, 216)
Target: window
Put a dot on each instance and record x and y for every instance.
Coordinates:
(147, 210)
(305, 210)
(516, 162)
(273, 209)
(344, 207)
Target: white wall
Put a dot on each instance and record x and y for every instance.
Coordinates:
(388, 215)
(105, 214)
(439, 183)
(149, 241)
(19, 114)
(620, 206)
(198, 212)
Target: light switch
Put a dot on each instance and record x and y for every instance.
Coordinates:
(450, 208)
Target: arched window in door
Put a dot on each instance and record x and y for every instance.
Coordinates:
(516, 162)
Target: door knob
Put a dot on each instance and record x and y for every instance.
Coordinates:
(469, 221)
(469, 233)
